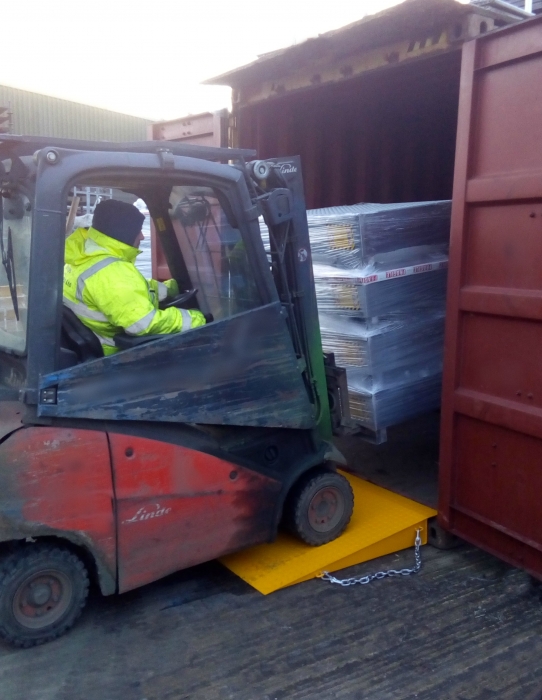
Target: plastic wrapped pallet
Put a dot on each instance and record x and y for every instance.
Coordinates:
(355, 236)
(376, 406)
(383, 290)
(386, 349)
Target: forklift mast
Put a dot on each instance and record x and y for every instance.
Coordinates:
(282, 203)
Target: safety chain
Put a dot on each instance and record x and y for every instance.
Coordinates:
(326, 576)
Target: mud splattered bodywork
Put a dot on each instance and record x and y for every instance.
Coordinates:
(177, 507)
(167, 506)
(57, 482)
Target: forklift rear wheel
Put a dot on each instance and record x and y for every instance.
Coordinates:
(320, 507)
(43, 590)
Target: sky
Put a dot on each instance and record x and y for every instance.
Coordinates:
(149, 58)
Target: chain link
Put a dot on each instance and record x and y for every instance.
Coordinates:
(326, 576)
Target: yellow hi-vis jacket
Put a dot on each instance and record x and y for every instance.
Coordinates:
(108, 294)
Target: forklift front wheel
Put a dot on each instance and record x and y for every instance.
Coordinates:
(43, 590)
(319, 507)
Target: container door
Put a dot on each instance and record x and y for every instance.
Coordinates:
(491, 439)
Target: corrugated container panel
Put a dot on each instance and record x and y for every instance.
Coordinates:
(491, 430)
(41, 115)
(385, 137)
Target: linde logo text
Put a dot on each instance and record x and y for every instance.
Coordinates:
(286, 168)
(143, 514)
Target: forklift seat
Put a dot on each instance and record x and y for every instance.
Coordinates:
(77, 338)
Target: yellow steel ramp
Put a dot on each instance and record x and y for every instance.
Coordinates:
(383, 522)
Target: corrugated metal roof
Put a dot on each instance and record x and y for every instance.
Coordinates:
(42, 115)
(411, 17)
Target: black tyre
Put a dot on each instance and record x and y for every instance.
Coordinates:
(319, 507)
(43, 590)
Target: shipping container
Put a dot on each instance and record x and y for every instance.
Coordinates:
(371, 108)
(491, 426)
(373, 111)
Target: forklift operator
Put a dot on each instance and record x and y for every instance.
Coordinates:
(106, 291)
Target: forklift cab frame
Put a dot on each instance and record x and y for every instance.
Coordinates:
(301, 396)
(180, 449)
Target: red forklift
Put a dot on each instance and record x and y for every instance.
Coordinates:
(178, 448)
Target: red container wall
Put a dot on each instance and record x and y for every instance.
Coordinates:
(491, 435)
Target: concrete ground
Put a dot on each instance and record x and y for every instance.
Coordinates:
(467, 627)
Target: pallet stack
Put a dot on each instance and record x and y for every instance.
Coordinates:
(380, 274)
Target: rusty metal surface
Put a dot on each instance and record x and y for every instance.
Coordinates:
(371, 108)
(491, 440)
(56, 481)
(403, 32)
(373, 140)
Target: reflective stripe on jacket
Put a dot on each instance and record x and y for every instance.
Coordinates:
(108, 294)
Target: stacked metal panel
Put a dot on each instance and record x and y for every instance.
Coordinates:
(394, 366)
(362, 235)
(378, 408)
(384, 350)
(382, 291)
(380, 274)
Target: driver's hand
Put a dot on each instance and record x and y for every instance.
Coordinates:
(198, 319)
(172, 288)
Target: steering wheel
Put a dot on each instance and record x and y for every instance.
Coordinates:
(179, 299)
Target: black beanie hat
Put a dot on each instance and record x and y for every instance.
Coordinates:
(118, 220)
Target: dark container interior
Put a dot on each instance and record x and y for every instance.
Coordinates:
(387, 136)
